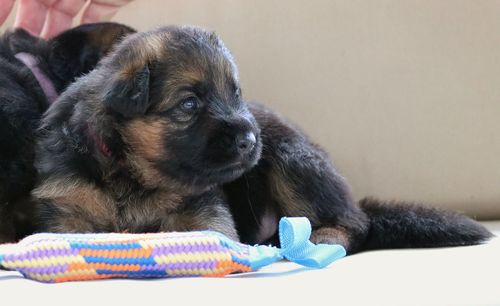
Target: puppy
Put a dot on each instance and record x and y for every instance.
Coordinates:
(143, 142)
(295, 177)
(32, 73)
(158, 138)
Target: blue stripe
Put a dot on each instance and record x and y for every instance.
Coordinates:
(240, 260)
(106, 246)
(134, 273)
(120, 261)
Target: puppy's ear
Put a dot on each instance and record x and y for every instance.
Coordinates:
(78, 50)
(128, 95)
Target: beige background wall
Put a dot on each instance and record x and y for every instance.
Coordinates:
(405, 95)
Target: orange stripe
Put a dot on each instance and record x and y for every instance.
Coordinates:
(226, 267)
(134, 253)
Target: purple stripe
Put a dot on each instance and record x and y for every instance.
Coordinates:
(156, 267)
(185, 248)
(210, 264)
(46, 270)
(35, 254)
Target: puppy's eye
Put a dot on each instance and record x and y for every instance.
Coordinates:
(190, 104)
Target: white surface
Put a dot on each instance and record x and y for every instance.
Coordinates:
(447, 276)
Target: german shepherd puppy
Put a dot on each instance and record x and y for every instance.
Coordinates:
(159, 138)
(25, 93)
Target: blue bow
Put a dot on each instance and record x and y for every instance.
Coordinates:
(294, 234)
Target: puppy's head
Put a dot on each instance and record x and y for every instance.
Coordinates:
(70, 54)
(77, 51)
(175, 96)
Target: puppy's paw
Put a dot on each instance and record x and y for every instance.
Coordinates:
(330, 235)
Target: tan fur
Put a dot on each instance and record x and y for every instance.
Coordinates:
(106, 38)
(74, 223)
(150, 210)
(146, 137)
(192, 75)
(289, 201)
(146, 49)
(148, 175)
(202, 219)
(331, 235)
(85, 207)
(83, 201)
(146, 140)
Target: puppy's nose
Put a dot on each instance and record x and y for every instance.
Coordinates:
(245, 142)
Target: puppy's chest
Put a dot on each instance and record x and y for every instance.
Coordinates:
(144, 214)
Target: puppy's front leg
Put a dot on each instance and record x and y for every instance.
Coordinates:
(58, 217)
(74, 208)
(208, 211)
(302, 189)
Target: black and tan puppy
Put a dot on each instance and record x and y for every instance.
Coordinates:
(142, 142)
(26, 92)
(158, 138)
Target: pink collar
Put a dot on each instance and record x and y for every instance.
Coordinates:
(47, 86)
(103, 147)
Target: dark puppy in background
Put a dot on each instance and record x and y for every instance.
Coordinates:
(295, 177)
(24, 96)
(158, 138)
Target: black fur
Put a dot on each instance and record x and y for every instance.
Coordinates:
(22, 102)
(129, 97)
(404, 225)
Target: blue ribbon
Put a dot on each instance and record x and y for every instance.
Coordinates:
(294, 234)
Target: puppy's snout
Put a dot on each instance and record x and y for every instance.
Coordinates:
(245, 142)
